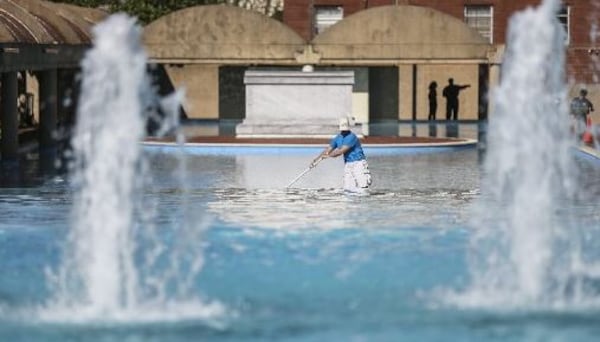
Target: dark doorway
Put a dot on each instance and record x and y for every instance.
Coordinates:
(484, 77)
(232, 93)
(383, 94)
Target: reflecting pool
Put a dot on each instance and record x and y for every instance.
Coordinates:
(308, 263)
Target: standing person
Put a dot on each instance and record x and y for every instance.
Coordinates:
(450, 92)
(581, 107)
(357, 176)
(432, 100)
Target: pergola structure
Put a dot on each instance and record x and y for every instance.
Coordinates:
(46, 40)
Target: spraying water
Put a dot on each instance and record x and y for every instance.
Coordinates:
(526, 250)
(110, 267)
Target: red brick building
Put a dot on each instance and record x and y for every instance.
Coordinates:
(490, 17)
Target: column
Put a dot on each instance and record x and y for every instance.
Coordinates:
(9, 119)
(48, 109)
(494, 81)
(405, 91)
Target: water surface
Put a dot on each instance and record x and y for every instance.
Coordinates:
(308, 263)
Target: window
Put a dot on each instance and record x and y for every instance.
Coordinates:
(481, 18)
(326, 16)
(563, 18)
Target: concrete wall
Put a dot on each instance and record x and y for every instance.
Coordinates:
(405, 91)
(217, 34)
(583, 19)
(199, 39)
(462, 74)
(201, 83)
(387, 34)
(360, 95)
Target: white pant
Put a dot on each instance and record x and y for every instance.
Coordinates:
(579, 125)
(357, 175)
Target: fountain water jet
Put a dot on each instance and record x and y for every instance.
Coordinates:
(525, 252)
(110, 271)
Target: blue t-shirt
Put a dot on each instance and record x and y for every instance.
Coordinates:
(355, 152)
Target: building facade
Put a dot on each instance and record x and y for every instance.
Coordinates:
(396, 48)
(490, 17)
(395, 52)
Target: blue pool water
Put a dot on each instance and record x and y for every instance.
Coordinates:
(189, 244)
(302, 264)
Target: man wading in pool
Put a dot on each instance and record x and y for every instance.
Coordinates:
(357, 176)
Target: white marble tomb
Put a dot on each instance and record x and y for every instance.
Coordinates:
(296, 103)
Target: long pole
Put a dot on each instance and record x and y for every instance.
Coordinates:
(299, 176)
(312, 166)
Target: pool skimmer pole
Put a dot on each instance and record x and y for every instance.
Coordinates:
(312, 166)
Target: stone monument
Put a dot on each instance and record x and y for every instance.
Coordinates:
(306, 103)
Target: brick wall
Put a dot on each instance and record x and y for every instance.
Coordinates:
(297, 15)
(582, 67)
(584, 14)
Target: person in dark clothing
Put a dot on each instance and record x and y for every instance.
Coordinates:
(450, 92)
(581, 108)
(432, 100)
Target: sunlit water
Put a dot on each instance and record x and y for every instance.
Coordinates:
(303, 264)
(529, 252)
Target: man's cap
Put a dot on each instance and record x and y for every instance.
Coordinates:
(344, 124)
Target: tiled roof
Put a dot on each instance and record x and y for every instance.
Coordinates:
(43, 22)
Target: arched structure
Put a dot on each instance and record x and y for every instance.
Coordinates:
(206, 49)
(406, 48)
(395, 52)
(391, 34)
(221, 34)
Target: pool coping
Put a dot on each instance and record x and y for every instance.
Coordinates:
(458, 143)
(590, 151)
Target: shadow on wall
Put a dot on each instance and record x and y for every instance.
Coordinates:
(451, 92)
(432, 99)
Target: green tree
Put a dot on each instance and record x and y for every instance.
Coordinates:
(149, 10)
(85, 3)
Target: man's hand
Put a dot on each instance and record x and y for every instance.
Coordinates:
(316, 161)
